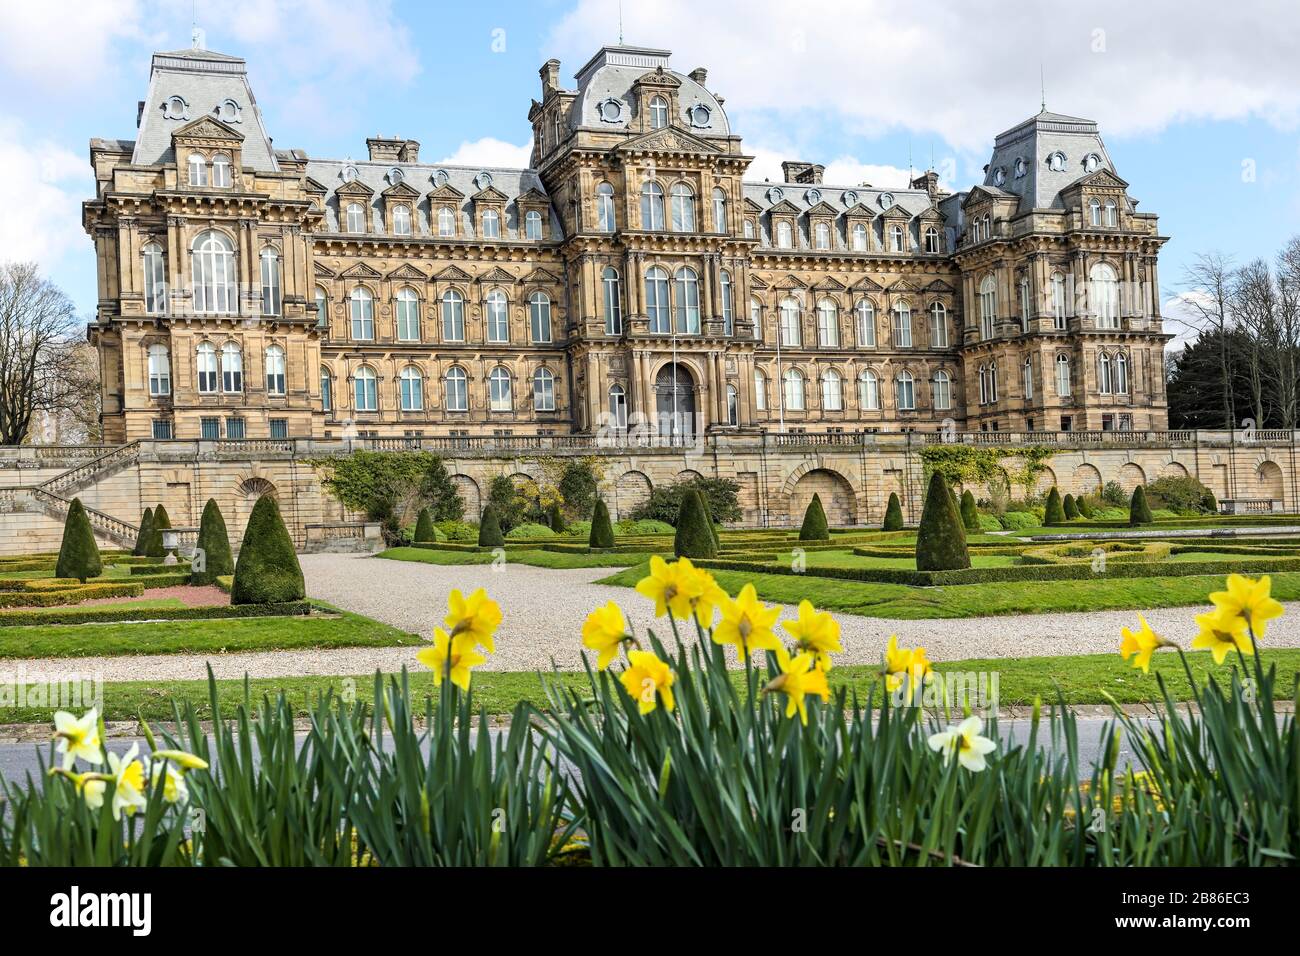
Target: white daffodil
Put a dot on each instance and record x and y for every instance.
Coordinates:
(93, 792)
(175, 789)
(964, 741)
(78, 738)
(128, 777)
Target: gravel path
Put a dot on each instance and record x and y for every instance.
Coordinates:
(544, 611)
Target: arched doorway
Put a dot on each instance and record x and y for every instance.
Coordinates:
(675, 401)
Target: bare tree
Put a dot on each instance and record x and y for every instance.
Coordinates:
(1208, 282)
(42, 367)
(1287, 280)
(1252, 306)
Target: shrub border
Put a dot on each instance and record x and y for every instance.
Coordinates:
(111, 614)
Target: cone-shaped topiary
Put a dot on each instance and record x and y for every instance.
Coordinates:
(893, 514)
(1054, 513)
(713, 525)
(940, 540)
(1209, 503)
(602, 532)
(267, 571)
(1139, 512)
(424, 533)
(142, 537)
(694, 538)
(555, 517)
(214, 543)
(1082, 505)
(814, 522)
(1070, 508)
(78, 555)
(970, 516)
(161, 522)
(489, 529)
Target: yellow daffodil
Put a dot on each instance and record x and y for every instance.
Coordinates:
(476, 616)
(1141, 644)
(604, 631)
(681, 589)
(817, 632)
(78, 738)
(1221, 633)
(1249, 599)
(464, 656)
(747, 623)
(128, 779)
(798, 678)
(175, 790)
(648, 680)
(905, 664)
(184, 761)
(964, 741)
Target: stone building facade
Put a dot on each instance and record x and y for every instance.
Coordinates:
(631, 283)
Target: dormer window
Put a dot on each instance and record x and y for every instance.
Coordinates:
(1094, 209)
(658, 112)
(356, 217)
(1021, 168)
(860, 237)
(491, 224)
(999, 176)
(483, 181)
(931, 240)
(611, 111)
(1056, 162)
(784, 235)
(402, 220)
(349, 174)
(395, 176)
(446, 222)
(1111, 213)
(221, 170)
(699, 116)
(1091, 163)
(533, 225)
(775, 195)
(822, 236)
(813, 196)
(198, 167)
(227, 111)
(886, 200)
(440, 178)
(175, 108)
(896, 238)
(850, 199)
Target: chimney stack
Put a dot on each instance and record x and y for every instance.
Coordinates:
(699, 75)
(809, 174)
(550, 74)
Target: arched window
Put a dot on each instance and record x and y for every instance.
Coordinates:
(932, 240)
(658, 112)
(326, 390)
(868, 390)
(784, 235)
(1058, 301)
(213, 260)
(652, 206)
(606, 221)
(822, 235)
(270, 282)
(828, 325)
(1104, 293)
(155, 279)
(988, 306)
(365, 386)
(733, 406)
(491, 224)
(453, 316)
(1028, 370)
(719, 209)
(760, 390)
(356, 217)
(499, 397)
(748, 229)
(864, 317)
(198, 167)
(533, 225)
(1094, 208)
(1024, 304)
(988, 383)
(275, 370)
(543, 390)
(896, 238)
(232, 368)
(363, 314)
(160, 371)
(446, 222)
(1063, 376)
(221, 170)
(938, 326)
(902, 325)
(859, 237)
(497, 313)
(683, 208)
(728, 304)
(942, 391)
(205, 363)
(905, 386)
(1121, 374)
(411, 384)
(401, 220)
(1112, 213)
(322, 309)
(656, 299)
(756, 316)
(1103, 373)
(832, 391)
(791, 333)
(457, 389)
(408, 315)
(613, 299)
(687, 287)
(617, 406)
(794, 389)
(539, 315)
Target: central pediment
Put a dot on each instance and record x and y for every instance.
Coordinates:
(668, 140)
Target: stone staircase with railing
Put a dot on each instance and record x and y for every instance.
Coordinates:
(97, 469)
(105, 525)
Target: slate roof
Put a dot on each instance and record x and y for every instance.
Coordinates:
(610, 75)
(1033, 142)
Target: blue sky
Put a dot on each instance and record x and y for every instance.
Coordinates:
(1198, 102)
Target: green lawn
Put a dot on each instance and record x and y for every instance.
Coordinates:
(335, 629)
(1080, 680)
(536, 558)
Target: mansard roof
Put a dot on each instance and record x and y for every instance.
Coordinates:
(1038, 158)
(615, 70)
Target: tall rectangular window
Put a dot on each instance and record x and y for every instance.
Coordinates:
(279, 428)
(235, 428)
(209, 429)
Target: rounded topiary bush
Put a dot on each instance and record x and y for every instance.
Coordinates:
(161, 522)
(142, 536)
(645, 526)
(489, 529)
(970, 516)
(78, 554)
(214, 543)
(814, 526)
(1139, 512)
(425, 532)
(267, 571)
(893, 514)
(694, 538)
(529, 530)
(1083, 506)
(940, 540)
(555, 518)
(602, 532)
(1055, 511)
(1070, 508)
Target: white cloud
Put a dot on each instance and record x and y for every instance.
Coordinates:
(971, 70)
(491, 152)
(41, 192)
(63, 49)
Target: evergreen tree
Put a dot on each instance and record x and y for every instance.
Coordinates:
(267, 571)
(161, 522)
(970, 516)
(424, 530)
(1070, 508)
(489, 529)
(1055, 511)
(940, 540)
(814, 526)
(214, 542)
(602, 532)
(1083, 506)
(555, 518)
(142, 536)
(694, 538)
(437, 488)
(78, 554)
(893, 514)
(1138, 510)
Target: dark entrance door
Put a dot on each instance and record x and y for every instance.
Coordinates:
(675, 401)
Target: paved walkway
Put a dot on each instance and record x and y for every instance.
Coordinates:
(544, 610)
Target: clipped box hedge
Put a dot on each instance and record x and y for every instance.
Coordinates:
(108, 614)
(75, 595)
(1114, 551)
(162, 580)
(25, 584)
(153, 566)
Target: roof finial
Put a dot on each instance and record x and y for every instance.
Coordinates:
(1042, 87)
(197, 37)
(620, 22)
